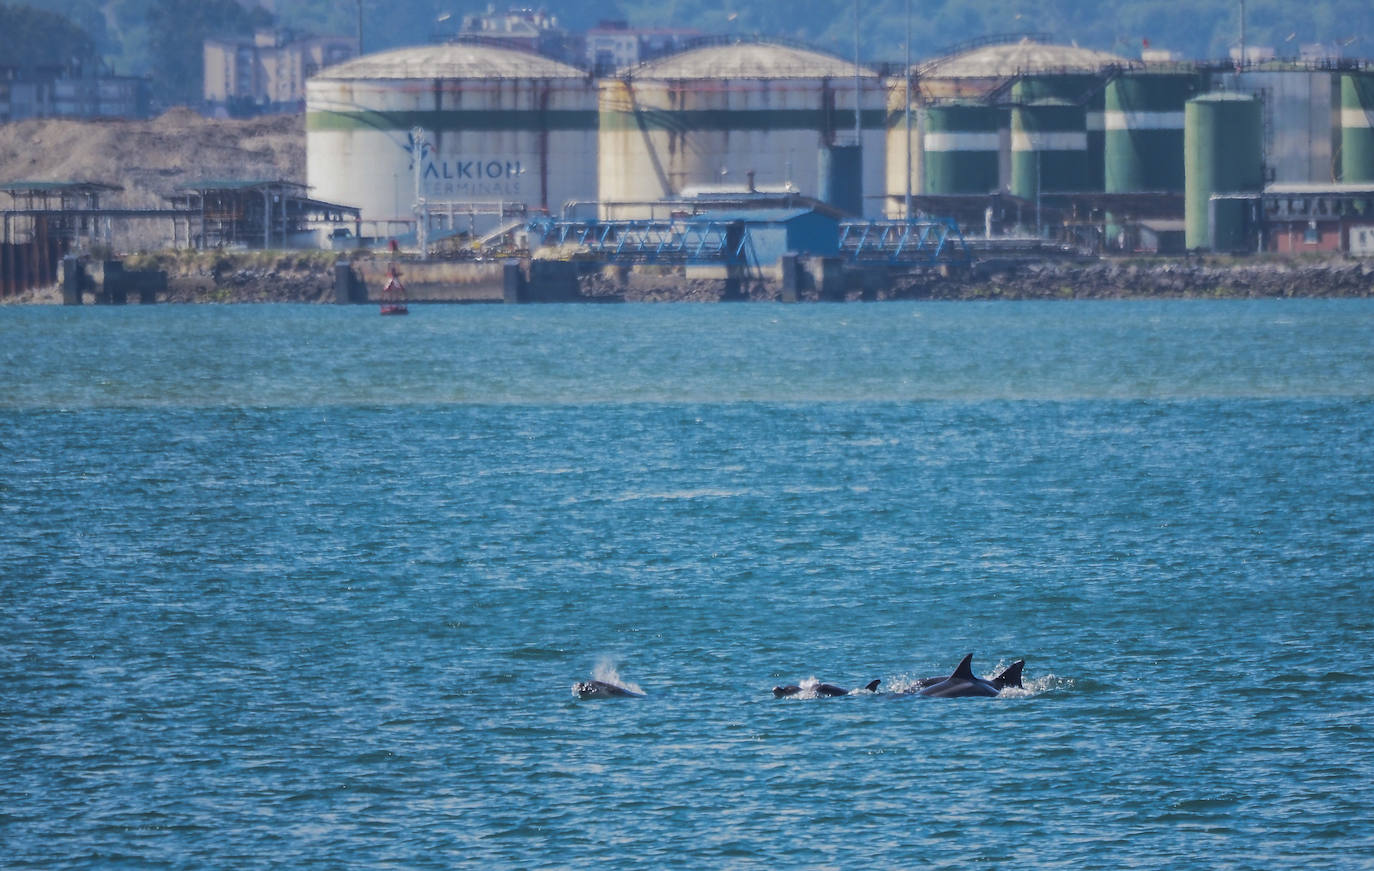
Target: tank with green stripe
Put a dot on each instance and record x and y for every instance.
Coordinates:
(1049, 139)
(1223, 153)
(960, 148)
(1357, 127)
(1096, 138)
(1143, 136)
(1049, 148)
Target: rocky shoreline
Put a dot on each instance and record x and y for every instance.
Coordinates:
(308, 277)
(1159, 278)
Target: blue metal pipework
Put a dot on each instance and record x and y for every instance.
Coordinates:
(909, 243)
(704, 242)
(689, 242)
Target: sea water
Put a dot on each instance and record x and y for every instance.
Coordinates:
(302, 587)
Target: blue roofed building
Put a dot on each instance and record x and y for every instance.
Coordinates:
(772, 233)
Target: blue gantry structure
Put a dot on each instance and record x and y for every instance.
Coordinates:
(929, 242)
(752, 239)
(649, 241)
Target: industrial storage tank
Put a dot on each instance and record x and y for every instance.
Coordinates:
(1049, 135)
(1055, 95)
(1094, 125)
(1143, 138)
(1357, 127)
(904, 161)
(499, 125)
(738, 114)
(1223, 136)
(962, 144)
(1300, 138)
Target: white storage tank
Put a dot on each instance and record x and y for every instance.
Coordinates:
(723, 114)
(502, 126)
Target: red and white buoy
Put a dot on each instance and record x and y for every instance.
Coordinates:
(394, 294)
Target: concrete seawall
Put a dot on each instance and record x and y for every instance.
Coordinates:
(251, 277)
(437, 280)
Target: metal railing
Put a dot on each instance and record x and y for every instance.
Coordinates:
(908, 243)
(700, 242)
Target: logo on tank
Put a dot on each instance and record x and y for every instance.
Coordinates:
(472, 169)
(462, 176)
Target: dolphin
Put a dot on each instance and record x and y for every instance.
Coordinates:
(823, 689)
(600, 689)
(1010, 677)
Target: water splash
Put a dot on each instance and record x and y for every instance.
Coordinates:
(808, 688)
(607, 671)
(1037, 686)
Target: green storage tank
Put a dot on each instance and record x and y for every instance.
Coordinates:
(1049, 149)
(1357, 127)
(1143, 141)
(960, 148)
(1094, 122)
(1049, 137)
(1223, 137)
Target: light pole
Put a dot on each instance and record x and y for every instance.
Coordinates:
(421, 146)
(1240, 63)
(858, 130)
(906, 212)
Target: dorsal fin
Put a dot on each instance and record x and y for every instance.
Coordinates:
(873, 685)
(1011, 675)
(965, 669)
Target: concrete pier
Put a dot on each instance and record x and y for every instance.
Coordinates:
(110, 283)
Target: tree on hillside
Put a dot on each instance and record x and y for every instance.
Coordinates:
(177, 32)
(33, 37)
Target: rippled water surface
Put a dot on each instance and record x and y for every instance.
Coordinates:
(294, 587)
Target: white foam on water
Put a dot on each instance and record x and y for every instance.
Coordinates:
(1031, 687)
(904, 684)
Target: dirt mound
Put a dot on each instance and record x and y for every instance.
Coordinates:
(149, 159)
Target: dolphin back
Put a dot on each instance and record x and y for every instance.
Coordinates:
(823, 690)
(962, 684)
(1010, 676)
(600, 689)
(964, 671)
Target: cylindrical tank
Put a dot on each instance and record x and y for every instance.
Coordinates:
(1222, 145)
(1094, 125)
(960, 148)
(1049, 137)
(1049, 149)
(711, 115)
(904, 161)
(1357, 127)
(1301, 141)
(1057, 93)
(840, 178)
(1143, 140)
(499, 125)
